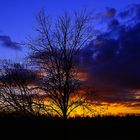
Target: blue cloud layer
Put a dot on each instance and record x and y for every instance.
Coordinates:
(113, 58)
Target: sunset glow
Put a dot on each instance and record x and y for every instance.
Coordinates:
(106, 110)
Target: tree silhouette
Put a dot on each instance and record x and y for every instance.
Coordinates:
(15, 89)
(55, 50)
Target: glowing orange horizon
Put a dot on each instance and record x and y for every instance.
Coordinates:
(115, 109)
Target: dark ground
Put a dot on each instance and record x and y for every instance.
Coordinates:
(99, 128)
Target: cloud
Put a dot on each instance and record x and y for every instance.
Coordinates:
(112, 60)
(113, 24)
(105, 14)
(131, 10)
(14, 73)
(118, 59)
(109, 12)
(6, 41)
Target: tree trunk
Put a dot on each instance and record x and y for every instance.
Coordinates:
(65, 114)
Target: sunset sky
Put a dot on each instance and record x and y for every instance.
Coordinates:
(110, 63)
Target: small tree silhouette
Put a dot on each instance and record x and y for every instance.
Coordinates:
(55, 51)
(15, 92)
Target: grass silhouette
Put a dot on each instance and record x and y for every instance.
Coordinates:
(106, 127)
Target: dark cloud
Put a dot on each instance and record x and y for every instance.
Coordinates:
(107, 19)
(131, 11)
(105, 14)
(118, 59)
(112, 60)
(16, 73)
(113, 24)
(8, 43)
(110, 12)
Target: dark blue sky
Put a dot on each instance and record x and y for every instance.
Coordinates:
(18, 17)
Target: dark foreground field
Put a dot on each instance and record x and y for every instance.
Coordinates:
(99, 128)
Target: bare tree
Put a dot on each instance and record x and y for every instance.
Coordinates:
(15, 89)
(55, 50)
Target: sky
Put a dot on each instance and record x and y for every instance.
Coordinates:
(111, 60)
(18, 17)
